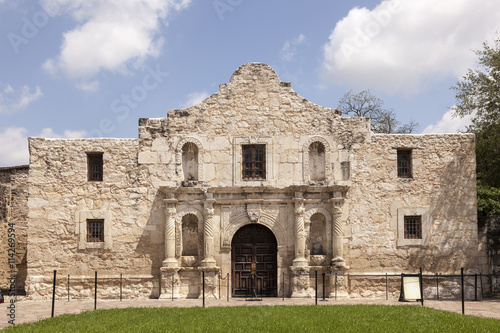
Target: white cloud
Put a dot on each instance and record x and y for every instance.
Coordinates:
(290, 47)
(14, 143)
(449, 124)
(13, 146)
(402, 45)
(194, 98)
(49, 133)
(12, 100)
(110, 36)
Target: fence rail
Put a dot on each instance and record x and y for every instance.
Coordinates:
(62, 287)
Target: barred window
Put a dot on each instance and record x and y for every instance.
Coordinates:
(413, 227)
(404, 163)
(95, 230)
(254, 162)
(94, 166)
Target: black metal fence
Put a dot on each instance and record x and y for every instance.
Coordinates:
(325, 285)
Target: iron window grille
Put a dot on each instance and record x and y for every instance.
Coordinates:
(413, 227)
(254, 162)
(404, 163)
(94, 166)
(95, 230)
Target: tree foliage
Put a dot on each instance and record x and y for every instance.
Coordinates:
(365, 104)
(478, 94)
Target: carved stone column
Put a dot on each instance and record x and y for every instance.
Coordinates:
(170, 266)
(208, 233)
(300, 237)
(170, 211)
(337, 238)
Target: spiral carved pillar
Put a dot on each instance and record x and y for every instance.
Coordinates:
(337, 239)
(300, 236)
(208, 234)
(170, 212)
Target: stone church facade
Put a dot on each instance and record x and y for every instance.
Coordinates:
(252, 183)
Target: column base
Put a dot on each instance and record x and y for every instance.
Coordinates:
(338, 284)
(170, 263)
(170, 283)
(338, 263)
(211, 281)
(208, 263)
(301, 287)
(300, 262)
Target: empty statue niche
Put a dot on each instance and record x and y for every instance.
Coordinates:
(318, 234)
(189, 235)
(316, 161)
(190, 161)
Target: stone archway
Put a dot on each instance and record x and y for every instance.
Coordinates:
(254, 262)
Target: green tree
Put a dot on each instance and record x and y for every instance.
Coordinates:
(478, 94)
(365, 104)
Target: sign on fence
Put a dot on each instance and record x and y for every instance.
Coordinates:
(411, 288)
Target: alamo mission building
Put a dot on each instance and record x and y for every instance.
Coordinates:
(253, 180)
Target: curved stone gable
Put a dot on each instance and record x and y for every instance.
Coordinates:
(254, 102)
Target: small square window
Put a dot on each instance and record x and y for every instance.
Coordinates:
(413, 227)
(95, 230)
(254, 162)
(404, 163)
(94, 166)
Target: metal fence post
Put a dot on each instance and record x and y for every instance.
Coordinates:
(283, 288)
(386, 291)
(172, 288)
(437, 286)
(53, 292)
(68, 287)
(219, 285)
(475, 287)
(323, 286)
(316, 287)
(463, 294)
(121, 283)
(203, 288)
(227, 286)
(481, 284)
(95, 291)
(335, 286)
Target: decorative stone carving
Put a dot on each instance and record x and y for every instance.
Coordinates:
(170, 242)
(253, 211)
(208, 232)
(300, 259)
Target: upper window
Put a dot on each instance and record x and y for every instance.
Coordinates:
(404, 163)
(95, 230)
(413, 227)
(94, 166)
(254, 162)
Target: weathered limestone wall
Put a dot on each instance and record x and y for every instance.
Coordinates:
(13, 215)
(442, 189)
(61, 198)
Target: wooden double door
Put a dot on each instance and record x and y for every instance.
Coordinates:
(253, 258)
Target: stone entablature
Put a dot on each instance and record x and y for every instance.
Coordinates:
(172, 201)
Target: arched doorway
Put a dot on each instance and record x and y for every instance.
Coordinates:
(254, 244)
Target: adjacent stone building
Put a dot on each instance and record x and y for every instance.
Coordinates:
(13, 225)
(252, 183)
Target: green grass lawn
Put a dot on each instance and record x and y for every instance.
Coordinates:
(325, 318)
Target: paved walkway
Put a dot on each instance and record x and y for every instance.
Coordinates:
(30, 311)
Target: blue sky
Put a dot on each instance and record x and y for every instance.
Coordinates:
(90, 68)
